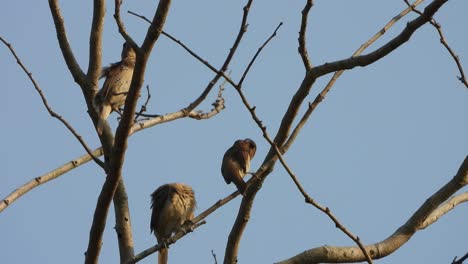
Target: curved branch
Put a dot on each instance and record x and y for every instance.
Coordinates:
(445, 208)
(95, 44)
(49, 109)
(123, 225)
(381, 52)
(121, 26)
(75, 70)
(20, 191)
(443, 41)
(99, 152)
(321, 96)
(121, 137)
(419, 220)
(302, 36)
(293, 108)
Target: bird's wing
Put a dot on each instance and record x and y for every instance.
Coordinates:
(229, 165)
(233, 168)
(112, 77)
(158, 201)
(105, 70)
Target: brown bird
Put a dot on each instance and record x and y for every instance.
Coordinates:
(173, 205)
(115, 88)
(236, 162)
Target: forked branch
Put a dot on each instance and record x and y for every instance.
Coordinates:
(49, 109)
(434, 205)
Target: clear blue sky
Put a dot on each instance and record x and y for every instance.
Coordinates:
(385, 139)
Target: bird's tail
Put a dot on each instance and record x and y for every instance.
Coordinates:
(162, 256)
(103, 115)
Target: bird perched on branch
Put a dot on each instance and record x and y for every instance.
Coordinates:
(115, 88)
(173, 205)
(236, 162)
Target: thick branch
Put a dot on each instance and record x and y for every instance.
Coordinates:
(20, 191)
(123, 131)
(123, 225)
(383, 51)
(99, 151)
(77, 73)
(95, 43)
(239, 84)
(347, 64)
(321, 96)
(419, 220)
(121, 25)
(294, 106)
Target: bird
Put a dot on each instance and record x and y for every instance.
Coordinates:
(236, 162)
(114, 91)
(172, 205)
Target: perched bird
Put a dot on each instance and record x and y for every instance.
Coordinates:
(173, 204)
(115, 88)
(236, 162)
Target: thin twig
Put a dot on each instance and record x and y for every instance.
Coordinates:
(218, 106)
(239, 84)
(283, 162)
(214, 257)
(308, 199)
(191, 52)
(460, 261)
(121, 26)
(49, 109)
(302, 35)
(443, 41)
(20, 191)
(170, 241)
(144, 106)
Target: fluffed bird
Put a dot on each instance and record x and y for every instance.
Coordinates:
(236, 162)
(173, 205)
(115, 88)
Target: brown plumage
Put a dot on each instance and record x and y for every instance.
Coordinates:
(236, 162)
(115, 88)
(173, 204)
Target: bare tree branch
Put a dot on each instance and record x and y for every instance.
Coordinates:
(20, 191)
(443, 41)
(121, 26)
(49, 109)
(122, 133)
(444, 208)
(302, 35)
(381, 52)
(231, 248)
(239, 84)
(321, 96)
(432, 206)
(294, 106)
(460, 261)
(95, 44)
(77, 73)
(191, 52)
